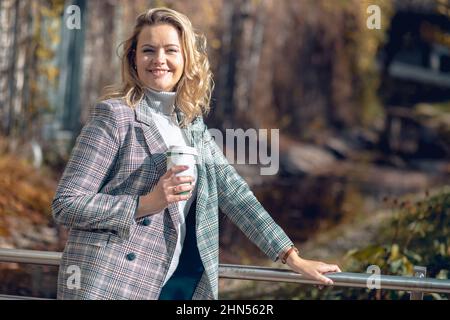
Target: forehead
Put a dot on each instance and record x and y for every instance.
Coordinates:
(159, 34)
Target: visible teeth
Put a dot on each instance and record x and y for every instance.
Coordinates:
(159, 72)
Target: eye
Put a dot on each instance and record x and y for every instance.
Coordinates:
(146, 50)
(172, 50)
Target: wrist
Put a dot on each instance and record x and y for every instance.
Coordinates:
(294, 259)
(148, 205)
(289, 254)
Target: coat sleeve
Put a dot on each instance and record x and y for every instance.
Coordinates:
(79, 202)
(238, 202)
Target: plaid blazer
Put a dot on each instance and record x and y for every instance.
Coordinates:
(119, 156)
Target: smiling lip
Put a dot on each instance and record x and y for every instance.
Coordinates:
(159, 72)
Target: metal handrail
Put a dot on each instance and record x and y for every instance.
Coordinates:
(230, 271)
(341, 279)
(49, 258)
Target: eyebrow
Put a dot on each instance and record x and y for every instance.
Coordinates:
(167, 45)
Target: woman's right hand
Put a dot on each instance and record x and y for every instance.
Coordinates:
(165, 192)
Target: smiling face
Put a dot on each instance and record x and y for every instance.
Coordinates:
(159, 57)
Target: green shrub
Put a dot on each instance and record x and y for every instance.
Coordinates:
(417, 234)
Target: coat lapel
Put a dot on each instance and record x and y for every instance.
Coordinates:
(157, 148)
(155, 142)
(194, 133)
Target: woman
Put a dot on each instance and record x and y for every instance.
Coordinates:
(134, 233)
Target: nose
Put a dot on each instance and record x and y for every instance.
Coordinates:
(160, 57)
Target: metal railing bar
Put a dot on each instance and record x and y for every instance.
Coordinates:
(342, 279)
(230, 271)
(30, 256)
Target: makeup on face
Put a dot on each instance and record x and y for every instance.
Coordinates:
(159, 57)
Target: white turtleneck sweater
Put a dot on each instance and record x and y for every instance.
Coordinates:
(162, 105)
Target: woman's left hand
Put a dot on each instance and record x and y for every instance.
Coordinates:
(312, 269)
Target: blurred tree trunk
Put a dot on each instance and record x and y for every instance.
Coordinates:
(99, 52)
(225, 74)
(72, 48)
(9, 25)
(16, 20)
(26, 51)
(242, 44)
(247, 70)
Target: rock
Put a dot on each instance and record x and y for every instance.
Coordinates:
(309, 159)
(340, 148)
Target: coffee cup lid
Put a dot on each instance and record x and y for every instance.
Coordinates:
(183, 150)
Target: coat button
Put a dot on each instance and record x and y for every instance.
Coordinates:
(131, 256)
(146, 222)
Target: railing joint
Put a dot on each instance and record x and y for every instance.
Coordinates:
(419, 272)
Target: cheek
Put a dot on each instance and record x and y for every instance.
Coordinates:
(141, 60)
(180, 66)
(141, 65)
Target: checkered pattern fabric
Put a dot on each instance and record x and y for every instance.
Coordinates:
(119, 156)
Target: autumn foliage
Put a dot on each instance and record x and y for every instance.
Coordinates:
(25, 193)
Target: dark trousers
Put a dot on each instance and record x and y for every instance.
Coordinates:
(183, 282)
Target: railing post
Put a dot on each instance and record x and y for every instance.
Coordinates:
(419, 272)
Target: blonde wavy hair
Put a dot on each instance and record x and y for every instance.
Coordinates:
(193, 91)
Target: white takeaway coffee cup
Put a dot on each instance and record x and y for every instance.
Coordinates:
(183, 156)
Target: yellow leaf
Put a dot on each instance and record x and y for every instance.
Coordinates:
(394, 252)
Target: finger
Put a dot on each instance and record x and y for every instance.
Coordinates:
(181, 188)
(334, 268)
(174, 170)
(177, 198)
(324, 279)
(328, 268)
(181, 179)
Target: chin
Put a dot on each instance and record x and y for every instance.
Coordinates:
(157, 86)
(161, 88)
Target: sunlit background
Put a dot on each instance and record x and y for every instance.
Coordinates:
(363, 114)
